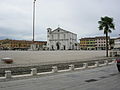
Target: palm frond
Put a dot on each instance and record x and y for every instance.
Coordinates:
(109, 31)
(100, 27)
(112, 26)
(106, 23)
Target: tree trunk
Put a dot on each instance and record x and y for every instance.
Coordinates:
(106, 44)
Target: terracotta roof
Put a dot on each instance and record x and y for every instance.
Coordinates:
(118, 38)
(100, 37)
(23, 41)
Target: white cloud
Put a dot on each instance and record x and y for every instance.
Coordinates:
(78, 16)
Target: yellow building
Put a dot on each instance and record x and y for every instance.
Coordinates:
(8, 44)
(87, 44)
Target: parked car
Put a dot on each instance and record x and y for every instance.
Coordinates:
(118, 63)
(7, 60)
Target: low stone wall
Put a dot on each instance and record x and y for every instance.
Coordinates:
(49, 67)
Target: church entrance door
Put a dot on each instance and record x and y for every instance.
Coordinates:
(58, 45)
(64, 47)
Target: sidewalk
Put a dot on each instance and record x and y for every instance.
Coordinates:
(103, 78)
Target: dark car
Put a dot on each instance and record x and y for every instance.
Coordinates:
(118, 63)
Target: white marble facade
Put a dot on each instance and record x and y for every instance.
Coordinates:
(60, 39)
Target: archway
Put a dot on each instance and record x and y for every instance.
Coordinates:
(64, 47)
(58, 45)
(52, 47)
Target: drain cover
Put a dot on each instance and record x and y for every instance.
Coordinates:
(113, 74)
(91, 80)
(103, 77)
(73, 76)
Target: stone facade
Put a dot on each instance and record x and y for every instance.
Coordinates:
(87, 44)
(117, 43)
(9, 44)
(94, 43)
(60, 39)
(101, 43)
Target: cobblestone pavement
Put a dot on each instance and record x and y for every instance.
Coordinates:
(103, 78)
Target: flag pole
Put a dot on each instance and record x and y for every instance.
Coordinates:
(33, 20)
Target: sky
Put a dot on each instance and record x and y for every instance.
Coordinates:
(78, 16)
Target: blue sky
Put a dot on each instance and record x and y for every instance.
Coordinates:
(78, 16)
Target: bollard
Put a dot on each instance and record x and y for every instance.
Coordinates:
(71, 67)
(85, 65)
(54, 69)
(112, 62)
(33, 71)
(96, 64)
(8, 74)
(106, 62)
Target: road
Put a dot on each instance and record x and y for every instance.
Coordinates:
(102, 78)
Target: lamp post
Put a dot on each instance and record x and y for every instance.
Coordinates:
(33, 20)
(33, 46)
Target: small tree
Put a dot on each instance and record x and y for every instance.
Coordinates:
(106, 24)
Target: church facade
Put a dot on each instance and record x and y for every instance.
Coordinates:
(60, 39)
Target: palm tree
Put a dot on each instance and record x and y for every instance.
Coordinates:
(106, 24)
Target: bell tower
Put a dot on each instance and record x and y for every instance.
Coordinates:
(48, 37)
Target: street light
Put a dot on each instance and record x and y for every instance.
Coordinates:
(33, 19)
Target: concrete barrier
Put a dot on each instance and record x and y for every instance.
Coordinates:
(54, 69)
(96, 64)
(8, 74)
(85, 65)
(106, 62)
(71, 67)
(33, 71)
(112, 62)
